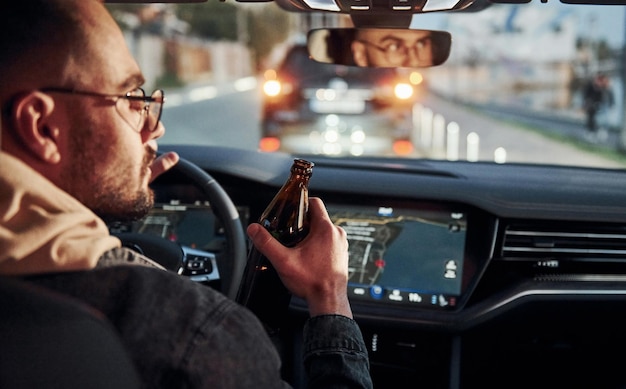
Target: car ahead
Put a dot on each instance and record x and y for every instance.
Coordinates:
(494, 256)
(311, 107)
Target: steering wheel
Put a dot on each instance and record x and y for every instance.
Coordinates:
(176, 258)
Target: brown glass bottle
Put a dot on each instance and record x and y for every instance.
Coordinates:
(286, 218)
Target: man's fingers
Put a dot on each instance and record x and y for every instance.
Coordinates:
(163, 163)
(261, 238)
(317, 209)
(264, 241)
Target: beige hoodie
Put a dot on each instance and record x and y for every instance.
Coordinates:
(42, 228)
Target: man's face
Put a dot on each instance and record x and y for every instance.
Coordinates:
(108, 171)
(106, 157)
(392, 48)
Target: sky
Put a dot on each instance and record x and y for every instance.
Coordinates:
(605, 22)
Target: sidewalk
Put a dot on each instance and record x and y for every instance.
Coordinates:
(503, 133)
(566, 123)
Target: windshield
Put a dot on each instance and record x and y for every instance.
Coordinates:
(533, 83)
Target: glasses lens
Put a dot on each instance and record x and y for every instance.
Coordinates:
(395, 52)
(155, 107)
(132, 108)
(139, 111)
(423, 47)
(136, 101)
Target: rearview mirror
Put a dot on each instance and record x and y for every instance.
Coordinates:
(379, 47)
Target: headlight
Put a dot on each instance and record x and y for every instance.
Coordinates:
(272, 88)
(416, 78)
(403, 91)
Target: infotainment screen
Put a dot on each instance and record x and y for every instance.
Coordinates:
(401, 255)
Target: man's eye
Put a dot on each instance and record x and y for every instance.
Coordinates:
(422, 43)
(136, 104)
(136, 93)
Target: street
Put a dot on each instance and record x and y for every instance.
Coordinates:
(226, 114)
(229, 115)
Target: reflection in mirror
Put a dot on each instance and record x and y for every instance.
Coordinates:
(379, 47)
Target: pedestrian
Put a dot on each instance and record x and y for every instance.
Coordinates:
(597, 99)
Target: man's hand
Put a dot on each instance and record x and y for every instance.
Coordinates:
(317, 268)
(163, 163)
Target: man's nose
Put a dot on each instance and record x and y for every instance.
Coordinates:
(412, 57)
(158, 132)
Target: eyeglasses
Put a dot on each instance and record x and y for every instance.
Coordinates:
(147, 107)
(396, 50)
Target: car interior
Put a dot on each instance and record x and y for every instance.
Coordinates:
(464, 273)
(52, 341)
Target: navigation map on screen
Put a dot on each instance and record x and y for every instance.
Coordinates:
(404, 255)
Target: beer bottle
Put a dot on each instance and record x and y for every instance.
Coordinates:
(286, 218)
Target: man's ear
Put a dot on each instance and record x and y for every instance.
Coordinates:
(31, 114)
(358, 53)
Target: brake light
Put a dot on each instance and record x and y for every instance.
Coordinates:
(403, 91)
(269, 144)
(402, 147)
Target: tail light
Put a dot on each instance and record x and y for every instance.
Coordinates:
(269, 144)
(403, 147)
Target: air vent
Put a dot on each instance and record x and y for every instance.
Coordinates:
(583, 241)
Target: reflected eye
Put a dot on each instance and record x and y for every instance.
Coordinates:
(420, 44)
(393, 47)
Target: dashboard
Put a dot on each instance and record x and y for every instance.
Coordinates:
(400, 253)
(461, 274)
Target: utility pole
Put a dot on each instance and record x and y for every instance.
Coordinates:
(622, 145)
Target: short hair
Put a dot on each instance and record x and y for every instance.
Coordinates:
(30, 26)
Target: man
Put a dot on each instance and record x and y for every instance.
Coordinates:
(379, 47)
(78, 146)
(597, 99)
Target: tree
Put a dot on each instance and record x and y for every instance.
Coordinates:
(264, 24)
(214, 21)
(268, 26)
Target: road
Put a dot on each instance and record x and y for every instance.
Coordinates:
(229, 114)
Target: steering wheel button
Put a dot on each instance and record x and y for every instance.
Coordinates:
(199, 265)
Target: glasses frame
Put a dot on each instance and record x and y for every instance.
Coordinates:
(145, 110)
